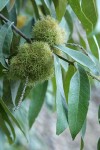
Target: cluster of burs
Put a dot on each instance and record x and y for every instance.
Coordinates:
(35, 60)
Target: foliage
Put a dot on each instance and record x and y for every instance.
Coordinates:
(25, 53)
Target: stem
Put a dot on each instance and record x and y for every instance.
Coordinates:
(93, 76)
(16, 29)
(77, 45)
(70, 62)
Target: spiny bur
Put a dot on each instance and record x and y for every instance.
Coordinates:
(34, 61)
(48, 30)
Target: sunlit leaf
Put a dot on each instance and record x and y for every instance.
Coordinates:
(90, 11)
(75, 5)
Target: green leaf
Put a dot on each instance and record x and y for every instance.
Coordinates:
(61, 124)
(67, 79)
(3, 33)
(7, 42)
(80, 58)
(3, 3)
(61, 104)
(60, 7)
(11, 116)
(98, 38)
(38, 95)
(5, 129)
(5, 118)
(82, 135)
(11, 4)
(13, 15)
(98, 145)
(69, 21)
(93, 46)
(7, 98)
(58, 75)
(78, 101)
(75, 5)
(83, 129)
(46, 6)
(82, 144)
(99, 114)
(90, 11)
(35, 9)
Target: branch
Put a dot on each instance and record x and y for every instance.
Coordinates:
(70, 62)
(79, 46)
(93, 76)
(15, 28)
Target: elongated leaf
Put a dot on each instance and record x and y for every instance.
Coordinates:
(93, 46)
(11, 4)
(35, 9)
(83, 131)
(82, 144)
(67, 79)
(13, 15)
(7, 43)
(80, 58)
(69, 21)
(5, 129)
(46, 6)
(3, 33)
(98, 145)
(78, 101)
(60, 7)
(59, 81)
(5, 118)
(90, 11)
(3, 3)
(75, 5)
(11, 115)
(98, 38)
(82, 135)
(61, 104)
(7, 98)
(38, 95)
(62, 123)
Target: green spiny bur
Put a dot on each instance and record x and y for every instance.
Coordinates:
(33, 60)
(48, 30)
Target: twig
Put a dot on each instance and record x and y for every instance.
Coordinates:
(93, 76)
(70, 62)
(77, 45)
(16, 29)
